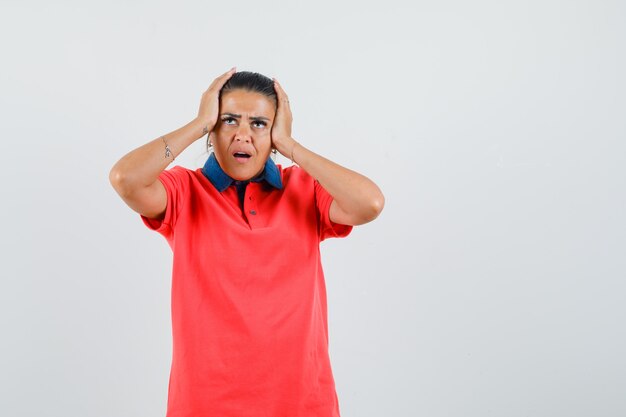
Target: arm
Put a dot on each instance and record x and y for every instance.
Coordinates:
(135, 175)
(356, 199)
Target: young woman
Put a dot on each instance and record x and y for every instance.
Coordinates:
(249, 316)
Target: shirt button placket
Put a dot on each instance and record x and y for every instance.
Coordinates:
(251, 210)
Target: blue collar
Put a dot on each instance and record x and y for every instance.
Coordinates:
(222, 181)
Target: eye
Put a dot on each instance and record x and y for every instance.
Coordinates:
(259, 123)
(229, 120)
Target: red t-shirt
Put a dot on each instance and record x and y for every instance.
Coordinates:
(249, 316)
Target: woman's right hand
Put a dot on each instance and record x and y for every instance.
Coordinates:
(210, 105)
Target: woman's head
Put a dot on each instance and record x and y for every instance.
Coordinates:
(251, 81)
(242, 135)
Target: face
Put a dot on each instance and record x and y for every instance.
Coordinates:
(241, 138)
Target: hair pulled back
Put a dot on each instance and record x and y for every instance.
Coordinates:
(251, 81)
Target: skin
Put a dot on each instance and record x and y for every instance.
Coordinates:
(244, 124)
(356, 199)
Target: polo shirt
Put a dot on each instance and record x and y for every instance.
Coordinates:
(248, 296)
(221, 180)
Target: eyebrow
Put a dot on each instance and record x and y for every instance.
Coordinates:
(238, 116)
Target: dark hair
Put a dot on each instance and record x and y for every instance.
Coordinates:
(250, 81)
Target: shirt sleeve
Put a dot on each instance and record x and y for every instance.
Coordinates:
(327, 228)
(176, 183)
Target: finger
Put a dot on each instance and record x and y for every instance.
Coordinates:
(283, 100)
(221, 80)
(279, 90)
(229, 73)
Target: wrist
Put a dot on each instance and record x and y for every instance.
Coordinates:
(291, 153)
(202, 127)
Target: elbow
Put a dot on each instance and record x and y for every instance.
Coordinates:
(376, 206)
(120, 182)
(372, 209)
(379, 204)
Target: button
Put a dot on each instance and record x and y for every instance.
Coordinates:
(253, 212)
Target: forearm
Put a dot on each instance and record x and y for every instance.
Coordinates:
(142, 166)
(358, 197)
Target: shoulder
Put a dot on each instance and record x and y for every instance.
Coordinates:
(180, 177)
(294, 176)
(183, 172)
(178, 172)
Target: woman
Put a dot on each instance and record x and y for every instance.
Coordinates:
(249, 317)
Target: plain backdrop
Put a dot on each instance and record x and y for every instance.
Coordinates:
(493, 284)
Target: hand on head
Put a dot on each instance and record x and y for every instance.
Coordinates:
(209, 105)
(281, 130)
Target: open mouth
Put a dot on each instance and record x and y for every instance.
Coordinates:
(241, 156)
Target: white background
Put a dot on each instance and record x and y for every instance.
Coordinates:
(493, 284)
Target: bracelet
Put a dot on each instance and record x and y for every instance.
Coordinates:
(168, 151)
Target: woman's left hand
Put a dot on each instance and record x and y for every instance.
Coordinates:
(281, 129)
(356, 199)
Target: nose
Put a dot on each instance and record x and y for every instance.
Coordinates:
(243, 133)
